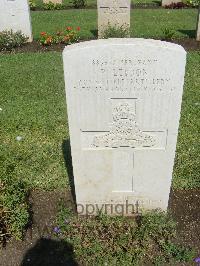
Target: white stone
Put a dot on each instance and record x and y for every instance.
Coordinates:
(15, 15)
(198, 26)
(115, 13)
(19, 138)
(169, 2)
(52, 1)
(124, 101)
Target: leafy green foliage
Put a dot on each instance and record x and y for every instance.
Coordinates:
(14, 214)
(121, 240)
(193, 3)
(53, 6)
(156, 225)
(116, 32)
(32, 4)
(10, 40)
(177, 252)
(168, 33)
(78, 3)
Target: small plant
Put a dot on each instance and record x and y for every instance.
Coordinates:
(14, 208)
(10, 40)
(116, 32)
(46, 39)
(53, 6)
(78, 3)
(122, 241)
(168, 33)
(4, 232)
(178, 252)
(14, 192)
(68, 36)
(193, 3)
(32, 4)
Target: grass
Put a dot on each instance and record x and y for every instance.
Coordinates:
(33, 107)
(144, 23)
(186, 171)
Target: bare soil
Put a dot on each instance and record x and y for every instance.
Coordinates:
(185, 208)
(40, 248)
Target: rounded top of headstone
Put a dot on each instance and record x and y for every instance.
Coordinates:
(126, 42)
(112, 3)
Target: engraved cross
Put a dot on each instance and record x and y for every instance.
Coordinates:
(124, 138)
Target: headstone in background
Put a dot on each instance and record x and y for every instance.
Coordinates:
(15, 15)
(124, 102)
(52, 1)
(115, 13)
(198, 26)
(169, 2)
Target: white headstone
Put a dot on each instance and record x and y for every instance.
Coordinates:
(52, 1)
(169, 2)
(15, 15)
(198, 26)
(115, 13)
(124, 101)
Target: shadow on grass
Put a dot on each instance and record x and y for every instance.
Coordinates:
(189, 33)
(48, 252)
(158, 3)
(66, 149)
(94, 33)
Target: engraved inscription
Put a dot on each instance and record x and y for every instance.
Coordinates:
(124, 131)
(114, 10)
(125, 75)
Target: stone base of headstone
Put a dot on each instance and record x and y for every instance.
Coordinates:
(169, 2)
(198, 26)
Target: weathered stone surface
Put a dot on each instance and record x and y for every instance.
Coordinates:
(15, 15)
(169, 2)
(198, 26)
(52, 1)
(115, 13)
(124, 101)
